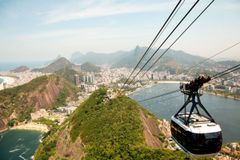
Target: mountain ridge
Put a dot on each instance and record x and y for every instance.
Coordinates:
(89, 67)
(96, 58)
(20, 69)
(45, 92)
(129, 58)
(174, 61)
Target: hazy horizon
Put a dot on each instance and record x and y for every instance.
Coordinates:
(32, 61)
(42, 30)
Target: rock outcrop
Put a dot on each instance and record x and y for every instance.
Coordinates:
(43, 92)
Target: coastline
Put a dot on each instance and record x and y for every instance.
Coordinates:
(6, 79)
(31, 126)
(3, 130)
(221, 95)
(177, 82)
(155, 83)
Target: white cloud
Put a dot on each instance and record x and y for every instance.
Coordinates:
(106, 8)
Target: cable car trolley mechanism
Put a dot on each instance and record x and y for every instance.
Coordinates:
(193, 128)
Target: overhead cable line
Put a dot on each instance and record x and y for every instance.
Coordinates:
(167, 93)
(177, 39)
(154, 40)
(171, 19)
(227, 71)
(165, 40)
(220, 52)
(165, 99)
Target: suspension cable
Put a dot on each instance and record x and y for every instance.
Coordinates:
(227, 71)
(154, 40)
(222, 51)
(165, 99)
(165, 40)
(167, 93)
(177, 39)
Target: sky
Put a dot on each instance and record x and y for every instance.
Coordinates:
(42, 30)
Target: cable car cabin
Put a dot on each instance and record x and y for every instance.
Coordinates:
(201, 136)
(195, 131)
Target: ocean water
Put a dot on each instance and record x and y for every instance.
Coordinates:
(225, 111)
(1, 80)
(18, 144)
(6, 66)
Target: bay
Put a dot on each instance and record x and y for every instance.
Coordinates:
(18, 144)
(225, 111)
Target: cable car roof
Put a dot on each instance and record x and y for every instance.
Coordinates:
(198, 124)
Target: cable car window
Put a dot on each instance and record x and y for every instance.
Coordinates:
(212, 135)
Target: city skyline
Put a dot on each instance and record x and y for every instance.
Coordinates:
(43, 30)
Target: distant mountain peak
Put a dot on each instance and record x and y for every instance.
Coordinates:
(137, 50)
(131, 57)
(57, 65)
(61, 59)
(89, 67)
(20, 69)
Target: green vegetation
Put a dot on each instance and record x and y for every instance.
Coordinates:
(25, 114)
(12, 122)
(82, 113)
(48, 149)
(68, 90)
(89, 67)
(48, 122)
(52, 125)
(61, 99)
(68, 74)
(109, 129)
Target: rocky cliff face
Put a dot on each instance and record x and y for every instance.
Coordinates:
(43, 92)
(48, 95)
(3, 123)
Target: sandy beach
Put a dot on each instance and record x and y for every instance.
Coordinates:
(7, 80)
(32, 126)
